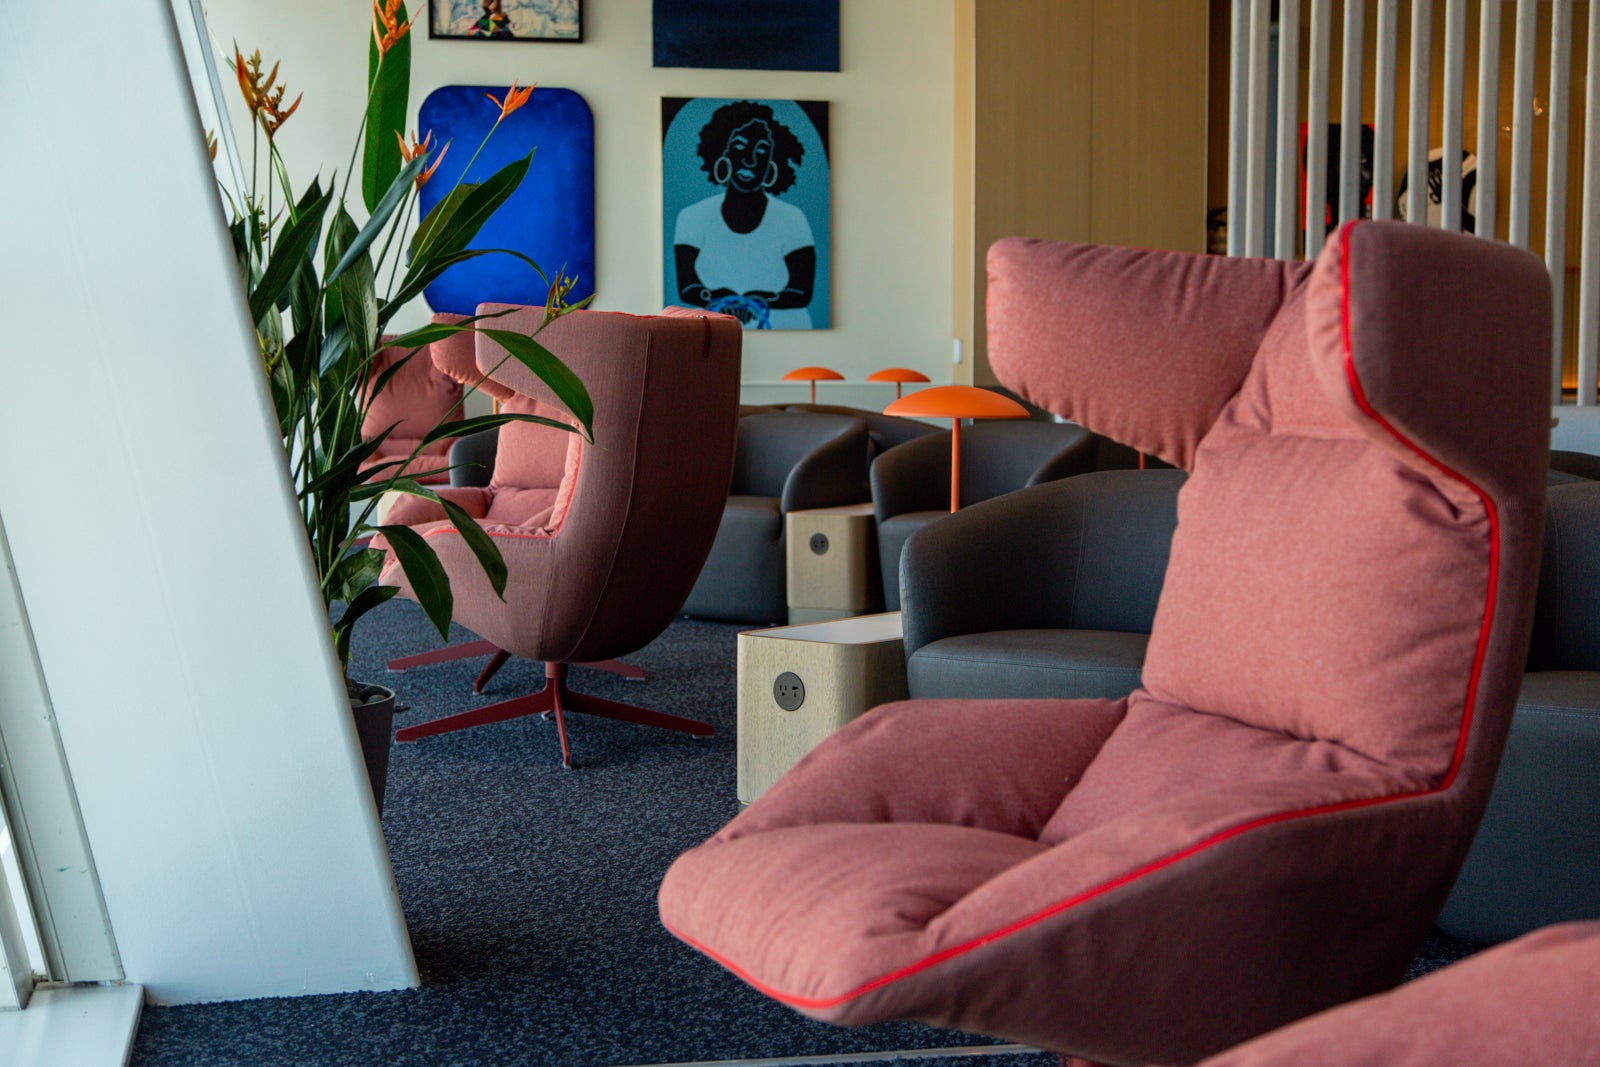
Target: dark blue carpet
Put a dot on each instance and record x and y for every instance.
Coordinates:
(529, 890)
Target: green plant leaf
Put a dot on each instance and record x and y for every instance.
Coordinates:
(465, 210)
(381, 382)
(381, 216)
(343, 469)
(479, 423)
(354, 572)
(420, 275)
(482, 545)
(550, 370)
(297, 238)
(356, 288)
(368, 599)
(390, 79)
(429, 583)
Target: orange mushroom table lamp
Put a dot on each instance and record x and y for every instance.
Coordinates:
(813, 375)
(957, 402)
(899, 376)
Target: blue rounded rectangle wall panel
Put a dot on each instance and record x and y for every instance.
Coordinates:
(549, 219)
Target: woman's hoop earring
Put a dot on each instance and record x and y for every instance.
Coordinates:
(771, 177)
(721, 170)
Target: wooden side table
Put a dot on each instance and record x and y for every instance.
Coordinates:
(798, 684)
(831, 564)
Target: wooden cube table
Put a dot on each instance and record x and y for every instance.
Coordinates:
(831, 563)
(798, 684)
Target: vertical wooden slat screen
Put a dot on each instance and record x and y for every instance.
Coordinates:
(1589, 263)
(1488, 115)
(1285, 224)
(1317, 126)
(1417, 111)
(1521, 211)
(1350, 112)
(1555, 214)
(1540, 115)
(1455, 62)
(1383, 109)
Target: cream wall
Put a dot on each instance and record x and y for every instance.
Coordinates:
(890, 147)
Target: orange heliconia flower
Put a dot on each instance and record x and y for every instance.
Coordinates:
(418, 148)
(264, 100)
(515, 98)
(386, 18)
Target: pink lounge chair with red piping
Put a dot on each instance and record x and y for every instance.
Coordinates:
(414, 400)
(599, 565)
(1269, 824)
(1534, 1001)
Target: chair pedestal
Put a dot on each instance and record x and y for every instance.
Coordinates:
(468, 649)
(555, 698)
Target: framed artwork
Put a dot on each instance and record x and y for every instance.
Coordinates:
(745, 209)
(549, 219)
(506, 20)
(746, 34)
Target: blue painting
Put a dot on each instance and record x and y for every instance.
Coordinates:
(747, 34)
(745, 209)
(549, 219)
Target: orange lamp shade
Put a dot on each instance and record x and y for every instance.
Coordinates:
(898, 374)
(957, 402)
(813, 375)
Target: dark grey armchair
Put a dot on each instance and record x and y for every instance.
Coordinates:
(785, 461)
(1046, 592)
(911, 483)
(1536, 859)
(885, 431)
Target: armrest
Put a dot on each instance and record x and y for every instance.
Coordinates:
(830, 475)
(914, 476)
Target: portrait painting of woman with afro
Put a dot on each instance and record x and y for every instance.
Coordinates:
(745, 209)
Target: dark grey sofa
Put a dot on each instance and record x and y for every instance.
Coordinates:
(784, 461)
(911, 482)
(1046, 592)
(1536, 858)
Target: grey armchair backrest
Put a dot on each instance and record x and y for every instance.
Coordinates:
(1566, 615)
(1576, 464)
(997, 457)
(1082, 553)
(804, 460)
(886, 431)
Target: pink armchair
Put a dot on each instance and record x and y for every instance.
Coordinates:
(1535, 1000)
(600, 564)
(1268, 825)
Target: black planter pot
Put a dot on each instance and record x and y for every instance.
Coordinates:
(373, 707)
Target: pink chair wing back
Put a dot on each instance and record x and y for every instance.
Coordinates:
(414, 400)
(456, 357)
(645, 497)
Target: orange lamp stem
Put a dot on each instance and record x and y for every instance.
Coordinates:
(813, 390)
(955, 464)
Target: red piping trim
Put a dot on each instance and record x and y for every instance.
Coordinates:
(1233, 831)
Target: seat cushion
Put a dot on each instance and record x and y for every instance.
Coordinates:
(1029, 663)
(1536, 857)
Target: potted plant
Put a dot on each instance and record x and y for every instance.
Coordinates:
(312, 278)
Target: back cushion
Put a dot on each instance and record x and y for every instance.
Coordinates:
(417, 396)
(1566, 618)
(530, 464)
(1319, 587)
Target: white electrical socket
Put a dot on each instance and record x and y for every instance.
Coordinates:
(956, 354)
